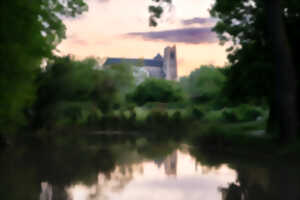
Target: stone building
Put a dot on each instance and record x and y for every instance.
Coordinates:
(159, 67)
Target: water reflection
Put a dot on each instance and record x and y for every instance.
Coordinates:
(102, 169)
(181, 177)
(47, 192)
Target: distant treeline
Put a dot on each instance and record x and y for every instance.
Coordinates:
(83, 94)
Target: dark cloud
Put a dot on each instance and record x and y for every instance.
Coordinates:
(199, 20)
(185, 35)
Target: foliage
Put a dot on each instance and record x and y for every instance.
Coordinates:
(74, 91)
(263, 56)
(29, 33)
(197, 112)
(242, 24)
(66, 114)
(204, 84)
(156, 90)
(241, 113)
(249, 77)
(156, 10)
(112, 85)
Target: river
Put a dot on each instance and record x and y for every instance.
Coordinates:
(140, 170)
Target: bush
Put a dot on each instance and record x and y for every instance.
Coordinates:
(155, 117)
(204, 84)
(197, 113)
(246, 112)
(67, 87)
(229, 115)
(156, 90)
(75, 113)
(214, 115)
(240, 113)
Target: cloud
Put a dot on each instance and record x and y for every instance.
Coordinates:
(199, 20)
(185, 35)
(103, 1)
(78, 41)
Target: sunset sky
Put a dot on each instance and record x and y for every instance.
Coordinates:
(120, 28)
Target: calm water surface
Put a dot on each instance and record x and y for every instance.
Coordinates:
(175, 177)
(140, 170)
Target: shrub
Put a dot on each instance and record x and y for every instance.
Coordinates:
(157, 117)
(246, 112)
(66, 87)
(74, 113)
(176, 117)
(197, 113)
(240, 113)
(156, 90)
(214, 115)
(229, 115)
(204, 84)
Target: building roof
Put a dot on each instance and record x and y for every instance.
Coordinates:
(144, 62)
(158, 57)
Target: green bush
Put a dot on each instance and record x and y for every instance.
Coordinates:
(246, 112)
(240, 113)
(204, 84)
(156, 90)
(74, 113)
(214, 115)
(155, 117)
(197, 113)
(75, 92)
(229, 115)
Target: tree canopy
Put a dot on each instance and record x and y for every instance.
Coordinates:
(204, 83)
(29, 33)
(262, 55)
(264, 45)
(71, 91)
(156, 90)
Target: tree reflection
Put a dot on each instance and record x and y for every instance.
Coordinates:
(48, 172)
(45, 171)
(257, 177)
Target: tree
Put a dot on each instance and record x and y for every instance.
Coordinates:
(260, 25)
(156, 10)
(70, 91)
(29, 33)
(286, 92)
(156, 90)
(204, 83)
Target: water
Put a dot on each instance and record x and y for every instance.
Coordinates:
(140, 170)
(175, 177)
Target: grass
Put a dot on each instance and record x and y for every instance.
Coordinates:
(241, 139)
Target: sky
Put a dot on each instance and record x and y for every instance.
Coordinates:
(120, 28)
(148, 181)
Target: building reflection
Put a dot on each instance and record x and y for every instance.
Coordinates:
(169, 163)
(52, 192)
(46, 191)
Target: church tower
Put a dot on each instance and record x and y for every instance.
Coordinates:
(170, 63)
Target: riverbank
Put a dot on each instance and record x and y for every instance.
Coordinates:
(244, 139)
(248, 140)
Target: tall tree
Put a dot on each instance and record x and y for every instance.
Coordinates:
(258, 31)
(286, 93)
(29, 33)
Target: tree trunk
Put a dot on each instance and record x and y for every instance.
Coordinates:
(285, 97)
(273, 122)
